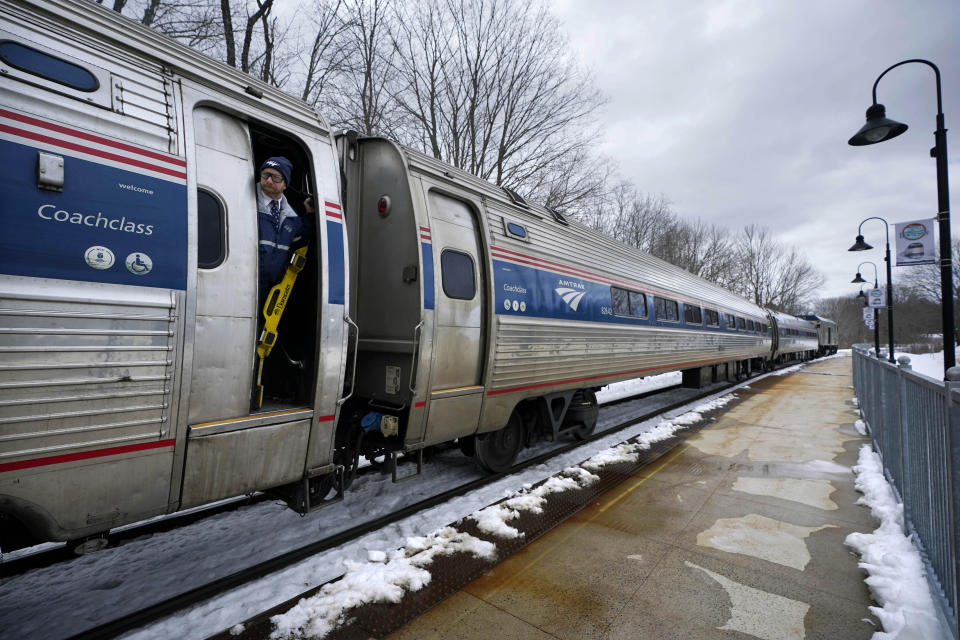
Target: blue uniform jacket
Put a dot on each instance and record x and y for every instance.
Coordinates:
(276, 242)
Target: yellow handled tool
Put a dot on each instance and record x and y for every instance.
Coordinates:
(273, 309)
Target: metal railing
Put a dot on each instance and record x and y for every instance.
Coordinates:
(914, 421)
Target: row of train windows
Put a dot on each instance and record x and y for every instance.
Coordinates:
(798, 333)
(634, 304)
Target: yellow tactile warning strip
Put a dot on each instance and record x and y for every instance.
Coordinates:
(737, 533)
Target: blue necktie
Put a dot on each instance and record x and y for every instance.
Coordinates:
(275, 212)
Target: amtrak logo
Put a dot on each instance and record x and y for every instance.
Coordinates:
(571, 296)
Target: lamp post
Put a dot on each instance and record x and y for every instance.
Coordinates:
(876, 285)
(879, 128)
(860, 245)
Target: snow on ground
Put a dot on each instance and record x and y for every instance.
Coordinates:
(122, 578)
(897, 579)
(376, 581)
(629, 388)
(929, 364)
(227, 610)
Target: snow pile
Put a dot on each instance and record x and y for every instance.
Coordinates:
(861, 427)
(788, 370)
(896, 571)
(493, 519)
(628, 388)
(385, 578)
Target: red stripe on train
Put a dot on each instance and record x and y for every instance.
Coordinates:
(85, 455)
(90, 150)
(91, 138)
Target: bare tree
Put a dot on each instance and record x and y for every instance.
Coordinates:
(327, 55)
(487, 86)
(774, 275)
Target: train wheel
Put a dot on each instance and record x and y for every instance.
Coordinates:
(496, 451)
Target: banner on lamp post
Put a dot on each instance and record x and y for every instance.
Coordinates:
(876, 298)
(915, 242)
(868, 317)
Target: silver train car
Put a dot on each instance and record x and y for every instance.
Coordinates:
(794, 338)
(827, 338)
(433, 307)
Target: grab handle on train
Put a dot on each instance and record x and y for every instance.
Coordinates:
(272, 312)
(416, 357)
(356, 347)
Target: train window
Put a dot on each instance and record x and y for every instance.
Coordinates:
(692, 314)
(458, 275)
(516, 230)
(713, 318)
(48, 67)
(621, 301)
(628, 303)
(731, 322)
(211, 230)
(740, 324)
(667, 310)
(638, 305)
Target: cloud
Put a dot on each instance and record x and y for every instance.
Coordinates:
(739, 112)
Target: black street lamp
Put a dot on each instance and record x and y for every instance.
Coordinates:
(879, 128)
(860, 245)
(876, 285)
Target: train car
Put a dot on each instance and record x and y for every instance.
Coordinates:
(794, 339)
(518, 316)
(827, 338)
(127, 294)
(432, 306)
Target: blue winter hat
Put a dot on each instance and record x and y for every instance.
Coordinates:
(281, 164)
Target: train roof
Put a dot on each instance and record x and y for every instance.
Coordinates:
(91, 22)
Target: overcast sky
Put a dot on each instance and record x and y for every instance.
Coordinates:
(739, 112)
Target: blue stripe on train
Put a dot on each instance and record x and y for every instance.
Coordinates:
(427, 250)
(531, 292)
(335, 264)
(108, 225)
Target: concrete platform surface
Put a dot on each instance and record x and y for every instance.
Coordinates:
(736, 533)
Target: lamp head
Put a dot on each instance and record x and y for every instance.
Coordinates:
(861, 294)
(859, 278)
(877, 129)
(860, 245)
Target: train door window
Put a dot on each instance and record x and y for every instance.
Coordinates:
(731, 322)
(692, 314)
(741, 324)
(713, 318)
(667, 310)
(458, 275)
(211, 230)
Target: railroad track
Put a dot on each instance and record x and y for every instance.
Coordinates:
(223, 584)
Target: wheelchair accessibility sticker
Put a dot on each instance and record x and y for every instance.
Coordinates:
(139, 264)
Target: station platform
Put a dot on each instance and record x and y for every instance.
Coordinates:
(737, 532)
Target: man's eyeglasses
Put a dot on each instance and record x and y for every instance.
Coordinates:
(272, 177)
